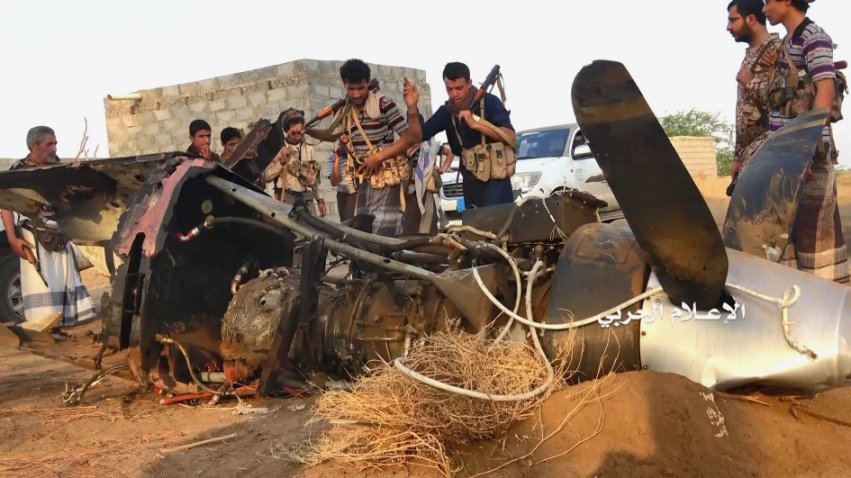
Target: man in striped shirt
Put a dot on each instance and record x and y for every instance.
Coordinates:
(817, 244)
(370, 121)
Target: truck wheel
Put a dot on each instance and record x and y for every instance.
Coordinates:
(12, 305)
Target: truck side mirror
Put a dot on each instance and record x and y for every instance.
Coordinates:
(582, 151)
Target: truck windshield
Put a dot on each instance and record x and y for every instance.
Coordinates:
(542, 144)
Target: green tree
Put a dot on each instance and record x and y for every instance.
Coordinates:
(701, 123)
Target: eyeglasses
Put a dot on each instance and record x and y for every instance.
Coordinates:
(733, 19)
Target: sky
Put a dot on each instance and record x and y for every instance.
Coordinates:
(61, 58)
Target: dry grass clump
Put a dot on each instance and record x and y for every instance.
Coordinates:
(391, 419)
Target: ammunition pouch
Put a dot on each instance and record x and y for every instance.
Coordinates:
(490, 161)
(503, 160)
(477, 162)
(792, 91)
(307, 173)
(391, 172)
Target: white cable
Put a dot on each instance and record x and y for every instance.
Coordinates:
(484, 396)
(517, 280)
(786, 301)
(790, 297)
(569, 325)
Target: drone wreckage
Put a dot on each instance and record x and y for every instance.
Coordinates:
(219, 282)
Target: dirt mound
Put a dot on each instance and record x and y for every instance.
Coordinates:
(652, 424)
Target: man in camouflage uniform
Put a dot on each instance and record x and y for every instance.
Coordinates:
(294, 169)
(746, 23)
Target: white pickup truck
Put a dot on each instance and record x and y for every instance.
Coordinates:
(549, 160)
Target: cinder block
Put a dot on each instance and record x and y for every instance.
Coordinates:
(199, 107)
(130, 121)
(385, 71)
(146, 143)
(162, 115)
(236, 101)
(321, 91)
(328, 69)
(164, 141)
(286, 69)
(277, 95)
(170, 91)
(270, 111)
(258, 98)
(189, 89)
(174, 126)
(151, 129)
(297, 92)
(218, 105)
(225, 117)
(245, 114)
(210, 84)
(247, 77)
(114, 123)
(309, 65)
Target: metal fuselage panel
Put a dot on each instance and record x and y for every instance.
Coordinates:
(600, 267)
(751, 349)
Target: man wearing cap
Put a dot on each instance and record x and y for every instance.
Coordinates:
(294, 169)
(200, 133)
(816, 244)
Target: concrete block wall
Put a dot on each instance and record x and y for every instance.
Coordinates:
(158, 121)
(698, 155)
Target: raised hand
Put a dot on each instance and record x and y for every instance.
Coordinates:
(411, 94)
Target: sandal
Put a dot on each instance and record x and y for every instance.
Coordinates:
(60, 336)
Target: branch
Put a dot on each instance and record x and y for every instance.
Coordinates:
(83, 150)
(200, 443)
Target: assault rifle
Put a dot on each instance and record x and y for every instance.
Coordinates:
(329, 110)
(486, 85)
(490, 80)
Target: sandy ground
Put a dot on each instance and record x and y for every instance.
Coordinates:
(634, 424)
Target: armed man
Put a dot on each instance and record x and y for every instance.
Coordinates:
(52, 292)
(480, 132)
(369, 120)
(746, 23)
(806, 79)
(294, 169)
